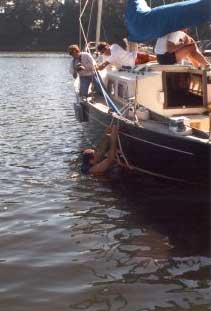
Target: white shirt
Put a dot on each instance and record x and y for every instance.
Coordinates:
(120, 57)
(85, 60)
(161, 44)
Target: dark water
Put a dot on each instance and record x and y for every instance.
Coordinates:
(69, 242)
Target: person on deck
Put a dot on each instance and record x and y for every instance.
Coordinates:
(82, 65)
(176, 46)
(94, 161)
(115, 55)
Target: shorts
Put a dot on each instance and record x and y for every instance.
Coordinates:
(167, 58)
(142, 58)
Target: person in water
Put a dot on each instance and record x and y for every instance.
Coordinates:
(82, 65)
(116, 56)
(176, 46)
(99, 161)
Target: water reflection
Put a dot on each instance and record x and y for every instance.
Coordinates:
(72, 242)
(149, 243)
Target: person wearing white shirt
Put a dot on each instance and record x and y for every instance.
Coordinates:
(176, 46)
(116, 56)
(83, 65)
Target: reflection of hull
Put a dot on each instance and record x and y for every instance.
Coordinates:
(155, 153)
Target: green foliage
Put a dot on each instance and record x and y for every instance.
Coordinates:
(54, 24)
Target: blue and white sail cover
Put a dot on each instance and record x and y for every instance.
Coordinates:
(145, 24)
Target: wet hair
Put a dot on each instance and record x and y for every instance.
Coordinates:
(86, 165)
(101, 47)
(73, 48)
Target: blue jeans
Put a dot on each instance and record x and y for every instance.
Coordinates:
(84, 85)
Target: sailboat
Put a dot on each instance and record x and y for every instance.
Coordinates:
(163, 111)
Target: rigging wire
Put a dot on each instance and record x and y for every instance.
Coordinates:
(104, 33)
(105, 95)
(79, 24)
(90, 18)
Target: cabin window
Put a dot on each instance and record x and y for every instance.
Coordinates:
(122, 90)
(111, 87)
(183, 89)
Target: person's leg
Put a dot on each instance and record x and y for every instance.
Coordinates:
(96, 81)
(199, 57)
(84, 85)
(192, 52)
(103, 147)
(193, 61)
(143, 57)
(152, 58)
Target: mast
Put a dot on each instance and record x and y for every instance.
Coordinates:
(99, 19)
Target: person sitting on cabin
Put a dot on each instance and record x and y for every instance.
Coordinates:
(94, 161)
(83, 65)
(176, 46)
(116, 56)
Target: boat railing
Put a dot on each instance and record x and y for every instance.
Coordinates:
(91, 46)
(128, 104)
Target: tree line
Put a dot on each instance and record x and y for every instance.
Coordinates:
(51, 25)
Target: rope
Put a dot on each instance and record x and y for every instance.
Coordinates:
(123, 155)
(105, 95)
(140, 170)
(127, 165)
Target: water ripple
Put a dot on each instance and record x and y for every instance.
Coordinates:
(72, 242)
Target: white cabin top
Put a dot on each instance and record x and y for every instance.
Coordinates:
(168, 90)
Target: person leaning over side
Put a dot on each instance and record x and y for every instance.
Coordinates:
(97, 162)
(116, 56)
(176, 46)
(82, 65)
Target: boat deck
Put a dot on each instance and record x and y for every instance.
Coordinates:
(199, 123)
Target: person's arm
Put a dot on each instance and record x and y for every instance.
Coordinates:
(188, 39)
(72, 70)
(104, 165)
(102, 147)
(103, 65)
